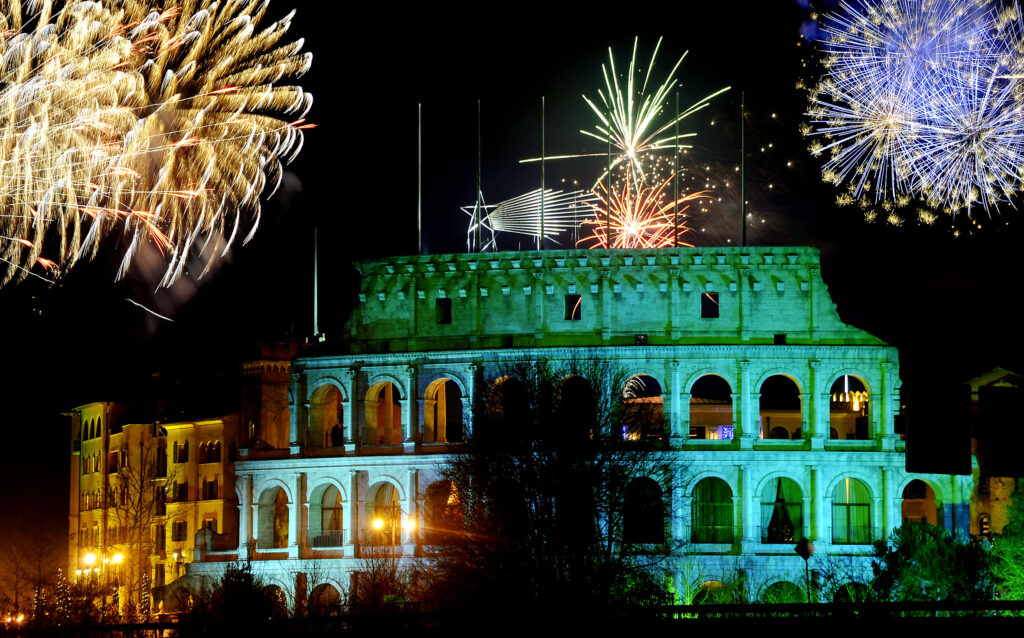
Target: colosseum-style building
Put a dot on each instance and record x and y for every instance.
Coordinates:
(778, 416)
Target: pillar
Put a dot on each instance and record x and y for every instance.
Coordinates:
(245, 518)
(889, 520)
(818, 532)
(351, 521)
(817, 421)
(353, 409)
(410, 415)
(678, 433)
(886, 411)
(295, 525)
(745, 417)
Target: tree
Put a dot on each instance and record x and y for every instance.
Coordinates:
(923, 562)
(137, 502)
(548, 483)
(1008, 550)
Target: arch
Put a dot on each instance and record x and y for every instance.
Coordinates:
(442, 411)
(326, 413)
(780, 406)
(781, 510)
(848, 411)
(851, 512)
(277, 600)
(919, 504)
(712, 592)
(430, 378)
(383, 414)
(643, 409)
(442, 513)
(711, 408)
(384, 517)
(507, 405)
(272, 525)
(935, 486)
(325, 600)
(643, 513)
(782, 592)
(712, 511)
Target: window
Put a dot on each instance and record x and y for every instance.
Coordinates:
(639, 340)
(160, 502)
(443, 310)
(573, 307)
(985, 525)
(210, 491)
(210, 524)
(781, 511)
(851, 513)
(160, 538)
(180, 492)
(181, 452)
(179, 531)
(712, 512)
(709, 305)
(780, 339)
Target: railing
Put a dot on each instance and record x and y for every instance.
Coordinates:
(329, 538)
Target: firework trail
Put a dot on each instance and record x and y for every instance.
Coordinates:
(161, 126)
(921, 99)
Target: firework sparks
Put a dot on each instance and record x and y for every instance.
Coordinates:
(630, 119)
(161, 126)
(921, 99)
(639, 216)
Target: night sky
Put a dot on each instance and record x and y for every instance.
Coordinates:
(948, 303)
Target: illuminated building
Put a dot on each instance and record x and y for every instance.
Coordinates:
(780, 415)
(141, 491)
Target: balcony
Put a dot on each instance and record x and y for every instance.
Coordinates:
(328, 538)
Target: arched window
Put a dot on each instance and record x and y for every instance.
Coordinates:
(919, 503)
(643, 409)
(782, 506)
(326, 417)
(643, 513)
(273, 519)
(781, 593)
(851, 513)
(508, 407)
(383, 415)
(848, 408)
(442, 514)
(712, 514)
(442, 418)
(780, 407)
(711, 408)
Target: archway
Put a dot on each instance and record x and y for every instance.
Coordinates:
(712, 513)
(848, 408)
(643, 409)
(384, 518)
(781, 593)
(851, 513)
(442, 412)
(383, 415)
(442, 514)
(273, 519)
(643, 513)
(325, 517)
(325, 600)
(711, 414)
(780, 408)
(326, 417)
(782, 507)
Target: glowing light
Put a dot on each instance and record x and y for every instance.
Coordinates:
(378, 523)
(89, 559)
(164, 128)
(921, 99)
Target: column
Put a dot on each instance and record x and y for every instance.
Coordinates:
(818, 532)
(245, 518)
(885, 416)
(745, 418)
(351, 521)
(295, 525)
(353, 409)
(409, 537)
(606, 305)
(410, 416)
(475, 375)
(677, 422)
(888, 519)
(299, 412)
(817, 431)
(541, 326)
(747, 506)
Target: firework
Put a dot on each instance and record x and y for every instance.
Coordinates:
(163, 126)
(639, 216)
(921, 99)
(630, 120)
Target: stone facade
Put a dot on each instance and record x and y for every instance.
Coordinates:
(373, 415)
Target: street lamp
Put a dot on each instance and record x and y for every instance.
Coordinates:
(394, 520)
